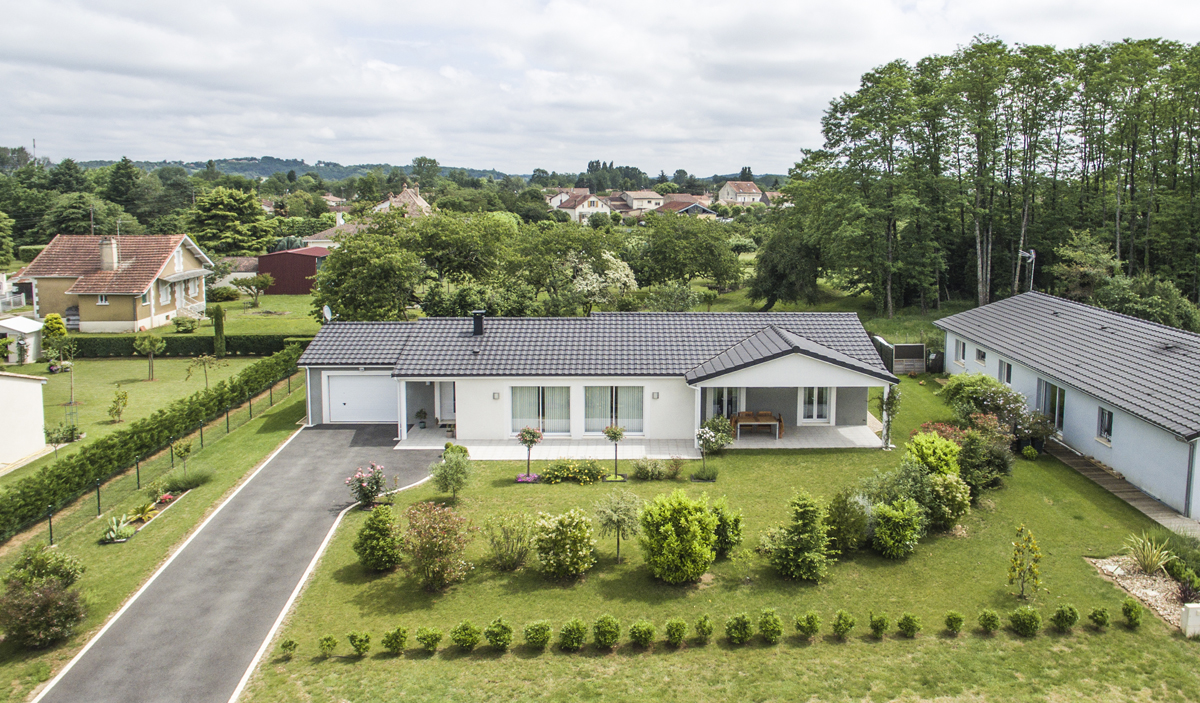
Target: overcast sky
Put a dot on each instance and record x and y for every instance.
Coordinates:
(513, 85)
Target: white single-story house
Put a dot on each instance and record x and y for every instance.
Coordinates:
(23, 331)
(1123, 391)
(22, 418)
(658, 375)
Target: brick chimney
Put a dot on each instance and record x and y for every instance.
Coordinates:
(109, 257)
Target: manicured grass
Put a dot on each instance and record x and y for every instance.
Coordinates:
(115, 571)
(276, 314)
(96, 383)
(1070, 516)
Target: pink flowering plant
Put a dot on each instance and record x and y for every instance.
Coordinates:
(529, 437)
(367, 485)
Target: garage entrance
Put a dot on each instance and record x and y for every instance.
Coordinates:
(362, 398)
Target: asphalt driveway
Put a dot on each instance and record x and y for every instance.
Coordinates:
(191, 635)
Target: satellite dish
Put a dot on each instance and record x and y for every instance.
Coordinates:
(327, 313)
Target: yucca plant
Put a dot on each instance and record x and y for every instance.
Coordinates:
(1150, 555)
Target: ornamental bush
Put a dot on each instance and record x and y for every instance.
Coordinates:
(377, 545)
(843, 623)
(954, 622)
(935, 453)
(649, 470)
(582, 471)
(572, 635)
(509, 537)
(676, 631)
(879, 624)
(565, 544)
(360, 642)
(606, 632)
(642, 633)
(326, 645)
(1029, 453)
(429, 638)
(801, 550)
(976, 393)
(451, 474)
(897, 528)
(704, 629)
(770, 626)
(1025, 621)
(1064, 618)
(434, 543)
(738, 629)
(1132, 610)
(729, 528)
(677, 537)
(982, 462)
(367, 485)
(499, 634)
(38, 562)
(465, 635)
(909, 625)
(1100, 618)
(395, 640)
(951, 500)
(288, 647)
(39, 613)
(989, 621)
(847, 518)
(808, 624)
(537, 634)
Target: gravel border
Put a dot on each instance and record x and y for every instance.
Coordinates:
(1159, 593)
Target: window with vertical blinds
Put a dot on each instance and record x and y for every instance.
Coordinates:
(612, 405)
(547, 408)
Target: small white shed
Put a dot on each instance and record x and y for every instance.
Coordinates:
(26, 331)
(22, 416)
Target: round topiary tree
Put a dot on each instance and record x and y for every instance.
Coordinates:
(377, 545)
(678, 537)
(529, 437)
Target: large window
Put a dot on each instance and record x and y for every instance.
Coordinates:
(960, 351)
(1104, 425)
(1051, 400)
(722, 401)
(815, 405)
(612, 405)
(548, 408)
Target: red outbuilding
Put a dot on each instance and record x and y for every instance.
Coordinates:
(292, 269)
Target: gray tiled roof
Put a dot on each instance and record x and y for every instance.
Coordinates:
(357, 344)
(1148, 370)
(772, 343)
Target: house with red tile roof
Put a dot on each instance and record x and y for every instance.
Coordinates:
(119, 284)
(739, 193)
(410, 199)
(581, 206)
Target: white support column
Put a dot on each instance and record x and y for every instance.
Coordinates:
(695, 441)
(883, 417)
(402, 407)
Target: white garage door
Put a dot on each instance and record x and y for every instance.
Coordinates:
(362, 399)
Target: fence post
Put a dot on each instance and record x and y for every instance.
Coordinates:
(272, 394)
(50, 519)
(171, 451)
(290, 383)
(97, 497)
(227, 418)
(137, 462)
(251, 401)
(202, 435)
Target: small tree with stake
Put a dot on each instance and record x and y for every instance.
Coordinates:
(615, 435)
(619, 513)
(255, 286)
(182, 451)
(148, 344)
(120, 400)
(1024, 568)
(205, 362)
(529, 437)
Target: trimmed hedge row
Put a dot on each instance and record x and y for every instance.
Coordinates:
(243, 344)
(27, 500)
(29, 253)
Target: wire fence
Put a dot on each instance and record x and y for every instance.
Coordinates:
(92, 508)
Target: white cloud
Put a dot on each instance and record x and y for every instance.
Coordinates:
(700, 85)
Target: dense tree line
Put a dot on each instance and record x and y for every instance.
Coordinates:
(934, 176)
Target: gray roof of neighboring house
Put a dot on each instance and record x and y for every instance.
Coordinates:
(1146, 369)
(603, 344)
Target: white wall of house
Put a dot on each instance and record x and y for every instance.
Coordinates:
(793, 371)
(22, 418)
(1148, 456)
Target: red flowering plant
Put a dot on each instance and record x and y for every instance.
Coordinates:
(433, 544)
(367, 485)
(529, 437)
(944, 430)
(165, 498)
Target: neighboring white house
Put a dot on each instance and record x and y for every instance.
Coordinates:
(739, 193)
(659, 375)
(1123, 391)
(560, 195)
(642, 199)
(410, 199)
(581, 206)
(22, 420)
(23, 331)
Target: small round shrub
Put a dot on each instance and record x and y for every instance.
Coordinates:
(770, 626)
(377, 545)
(879, 624)
(326, 645)
(606, 632)
(1026, 621)
(677, 537)
(537, 634)
(40, 613)
(395, 640)
(909, 625)
(843, 623)
(1030, 453)
(808, 624)
(565, 544)
(989, 621)
(360, 642)
(289, 647)
(642, 633)
(954, 622)
(738, 629)
(1099, 618)
(429, 638)
(704, 629)
(1132, 610)
(466, 635)
(676, 631)
(1065, 616)
(898, 526)
(499, 634)
(572, 635)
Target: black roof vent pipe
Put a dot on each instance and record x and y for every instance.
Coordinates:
(477, 317)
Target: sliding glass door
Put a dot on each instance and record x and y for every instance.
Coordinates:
(547, 408)
(612, 405)
(723, 402)
(1052, 401)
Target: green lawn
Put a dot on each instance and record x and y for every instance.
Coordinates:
(96, 383)
(1071, 517)
(115, 571)
(276, 314)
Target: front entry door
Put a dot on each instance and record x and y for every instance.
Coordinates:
(815, 405)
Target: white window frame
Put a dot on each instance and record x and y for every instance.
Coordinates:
(146, 298)
(102, 299)
(1005, 374)
(980, 356)
(541, 403)
(179, 259)
(614, 410)
(1101, 434)
(960, 352)
(1058, 417)
(831, 405)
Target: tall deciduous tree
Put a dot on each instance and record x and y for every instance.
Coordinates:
(369, 277)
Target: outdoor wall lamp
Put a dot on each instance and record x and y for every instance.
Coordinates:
(654, 395)
(495, 396)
